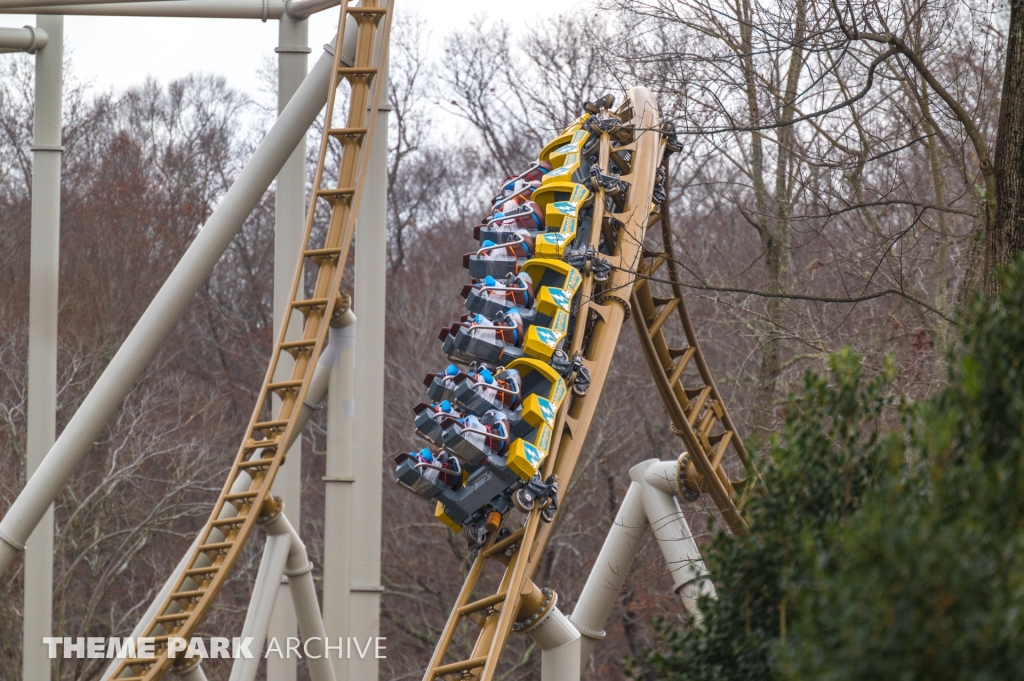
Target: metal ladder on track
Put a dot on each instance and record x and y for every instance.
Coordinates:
(698, 414)
(263, 448)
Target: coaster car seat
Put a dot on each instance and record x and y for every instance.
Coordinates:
(481, 339)
(428, 475)
(567, 212)
(554, 281)
(514, 183)
(432, 419)
(441, 385)
(502, 225)
(500, 259)
(484, 390)
(474, 438)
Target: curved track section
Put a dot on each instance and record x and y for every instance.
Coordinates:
(245, 499)
(562, 265)
(698, 413)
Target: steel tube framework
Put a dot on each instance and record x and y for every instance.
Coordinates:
(609, 572)
(660, 483)
(650, 501)
(298, 570)
(29, 39)
(352, 552)
(317, 391)
(338, 480)
(161, 315)
(265, 442)
(560, 643)
(263, 10)
(261, 606)
(289, 222)
(365, 519)
(41, 422)
(35, 6)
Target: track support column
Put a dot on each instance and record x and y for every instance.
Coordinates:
(339, 474)
(42, 337)
(560, 644)
(338, 481)
(609, 572)
(365, 519)
(289, 224)
(261, 605)
(298, 571)
(660, 483)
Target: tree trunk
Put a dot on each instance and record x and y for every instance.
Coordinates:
(1006, 236)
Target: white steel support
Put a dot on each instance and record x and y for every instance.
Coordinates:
(305, 8)
(289, 225)
(299, 572)
(660, 483)
(198, 9)
(370, 272)
(339, 474)
(261, 606)
(162, 314)
(338, 479)
(560, 644)
(41, 422)
(30, 39)
(650, 501)
(34, 5)
(609, 572)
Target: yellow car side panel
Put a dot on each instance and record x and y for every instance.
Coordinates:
(443, 517)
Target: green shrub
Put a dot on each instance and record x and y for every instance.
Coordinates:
(880, 551)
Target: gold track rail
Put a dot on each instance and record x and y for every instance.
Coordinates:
(698, 413)
(603, 310)
(263, 448)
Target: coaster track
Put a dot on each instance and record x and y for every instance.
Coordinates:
(514, 439)
(246, 499)
(626, 151)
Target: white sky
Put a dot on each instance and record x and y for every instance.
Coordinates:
(121, 51)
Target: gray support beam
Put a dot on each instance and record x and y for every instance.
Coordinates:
(609, 572)
(261, 606)
(42, 339)
(649, 501)
(675, 539)
(36, 5)
(339, 474)
(560, 644)
(162, 314)
(338, 511)
(371, 264)
(289, 225)
(299, 572)
(198, 9)
(29, 39)
(305, 8)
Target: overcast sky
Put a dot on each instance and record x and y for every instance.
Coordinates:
(122, 51)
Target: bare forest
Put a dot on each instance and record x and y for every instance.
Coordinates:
(834, 188)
